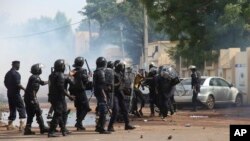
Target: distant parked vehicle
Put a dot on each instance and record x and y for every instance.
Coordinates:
(214, 90)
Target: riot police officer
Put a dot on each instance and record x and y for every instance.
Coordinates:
(77, 89)
(109, 78)
(195, 83)
(110, 64)
(12, 82)
(151, 65)
(31, 102)
(99, 91)
(57, 94)
(119, 99)
(163, 90)
(116, 63)
(151, 82)
(166, 82)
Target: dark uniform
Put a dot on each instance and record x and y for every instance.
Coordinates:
(119, 99)
(195, 82)
(151, 82)
(166, 82)
(77, 89)
(57, 94)
(109, 85)
(164, 89)
(12, 82)
(99, 87)
(31, 102)
(109, 89)
(172, 99)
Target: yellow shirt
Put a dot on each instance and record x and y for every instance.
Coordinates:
(137, 81)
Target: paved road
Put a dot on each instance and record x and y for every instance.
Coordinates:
(204, 125)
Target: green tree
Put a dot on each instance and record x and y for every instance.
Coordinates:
(111, 16)
(201, 26)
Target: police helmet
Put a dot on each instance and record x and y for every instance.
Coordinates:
(153, 70)
(151, 65)
(116, 63)
(36, 69)
(79, 61)
(101, 62)
(110, 64)
(160, 69)
(192, 67)
(59, 65)
(165, 73)
(120, 67)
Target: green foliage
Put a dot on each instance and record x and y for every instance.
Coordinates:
(201, 26)
(111, 16)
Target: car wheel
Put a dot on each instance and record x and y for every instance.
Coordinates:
(238, 101)
(210, 102)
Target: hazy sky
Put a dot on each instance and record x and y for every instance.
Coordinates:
(19, 11)
(30, 50)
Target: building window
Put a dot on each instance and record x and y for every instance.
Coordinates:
(209, 63)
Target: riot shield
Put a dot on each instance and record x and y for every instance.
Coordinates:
(169, 72)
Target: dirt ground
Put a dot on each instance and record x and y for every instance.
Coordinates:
(203, 125)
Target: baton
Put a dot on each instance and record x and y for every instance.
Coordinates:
(90, 73)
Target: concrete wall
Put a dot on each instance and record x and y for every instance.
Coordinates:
(248, 76)
(82, 42)
(224, 68)
(157, 52)
(241, 75)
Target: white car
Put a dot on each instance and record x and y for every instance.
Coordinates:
(214, 90)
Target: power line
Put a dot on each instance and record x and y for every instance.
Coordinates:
(39, 33)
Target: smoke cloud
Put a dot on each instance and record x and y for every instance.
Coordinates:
(42, 48)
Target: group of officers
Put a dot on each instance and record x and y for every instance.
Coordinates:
(111, 82)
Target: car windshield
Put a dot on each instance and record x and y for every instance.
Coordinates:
(188, 81)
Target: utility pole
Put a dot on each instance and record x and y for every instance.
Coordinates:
(145, 37)
(89, 26)
(180, 72)
(121, 31)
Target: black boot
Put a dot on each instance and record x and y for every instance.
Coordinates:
(175, 107)
(52, 129)
(27, 130)
(43, 128)
(65, 118)
(52, 134)
(140, 112)
(194, 108)
(129, 127)
(101, 124)
(111, 129)
(152, 110)
(79, 127)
